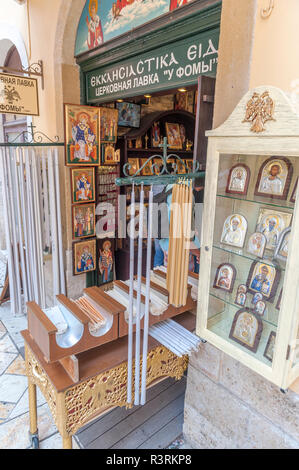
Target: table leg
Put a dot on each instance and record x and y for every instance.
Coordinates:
(32, 407)
(67, 442)
(33, 432)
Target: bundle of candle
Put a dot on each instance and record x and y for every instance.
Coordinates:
(96, 319)
(175, 337)
(179, 242)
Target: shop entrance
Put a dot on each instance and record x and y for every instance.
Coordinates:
(143, 123)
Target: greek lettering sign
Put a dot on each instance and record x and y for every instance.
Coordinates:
(18, 95)
(170, 66)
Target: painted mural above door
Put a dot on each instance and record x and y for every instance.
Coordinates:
(102, 20)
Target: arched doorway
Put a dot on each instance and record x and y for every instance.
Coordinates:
(12, 125)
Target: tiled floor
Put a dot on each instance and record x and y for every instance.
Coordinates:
(14, 415)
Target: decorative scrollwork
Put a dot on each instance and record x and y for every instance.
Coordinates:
(266, 12)
(259, 110)
(109, 389)
(37, 376)
(32, 137)
(36, 68)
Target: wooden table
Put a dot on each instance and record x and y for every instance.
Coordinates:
(103, 385)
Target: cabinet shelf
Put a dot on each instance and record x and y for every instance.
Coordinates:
(267, 258)
(261, 201)
(160, 151)
(228, 301)
(221, 326)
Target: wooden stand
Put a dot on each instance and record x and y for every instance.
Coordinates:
(102, 385)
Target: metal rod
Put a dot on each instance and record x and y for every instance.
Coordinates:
(46, 201)
(147, 298)
(34, 252)
(139, 275)
(59, 227)
(131, 292)
(53, 227)
(40, 264)
(31, 254)
(11, 277)
(20, 231)
(14, 236)
(25, 222)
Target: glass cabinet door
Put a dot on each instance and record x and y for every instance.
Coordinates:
(252, 231)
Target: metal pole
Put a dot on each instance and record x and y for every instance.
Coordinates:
(11, 276)
(59, 228)
(20, 228)
(53, 227)
(25, 223)
(130, 332)
(147, 298)
(46, 201)
(14, 236)
(139, 274)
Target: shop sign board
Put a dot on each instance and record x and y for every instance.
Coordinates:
(18, 95)
(169, 66)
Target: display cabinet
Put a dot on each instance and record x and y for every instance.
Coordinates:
(248, 303)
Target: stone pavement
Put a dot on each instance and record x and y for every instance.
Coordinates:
(14, 415)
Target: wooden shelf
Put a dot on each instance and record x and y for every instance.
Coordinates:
(158, 150)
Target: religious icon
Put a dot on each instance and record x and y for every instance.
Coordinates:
(256, 244)
(246, 329)
(256, 298)
(263, 279)
(234, 230)
(108, 119)
(181, 167)
(277, 306)
(282, 249)
(156, 135)
(83, 184)
(117, 156)
(183, 135)
(157, 165)
(269, 350)
(138, 143)
(293, 196)
(106, 261)
(238, 179)
(134, 162)
(274, 178)
(225, 277)
(181, 101)
(173, 135)
(241, 295)
(260, 307)
(81, 135)
(109, 157)
(84, 255)
(147, 170)
(189, 164)
(83, 220)
(271, 223)
(95, 32)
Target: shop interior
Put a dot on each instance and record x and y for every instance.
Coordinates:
(143, 122)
